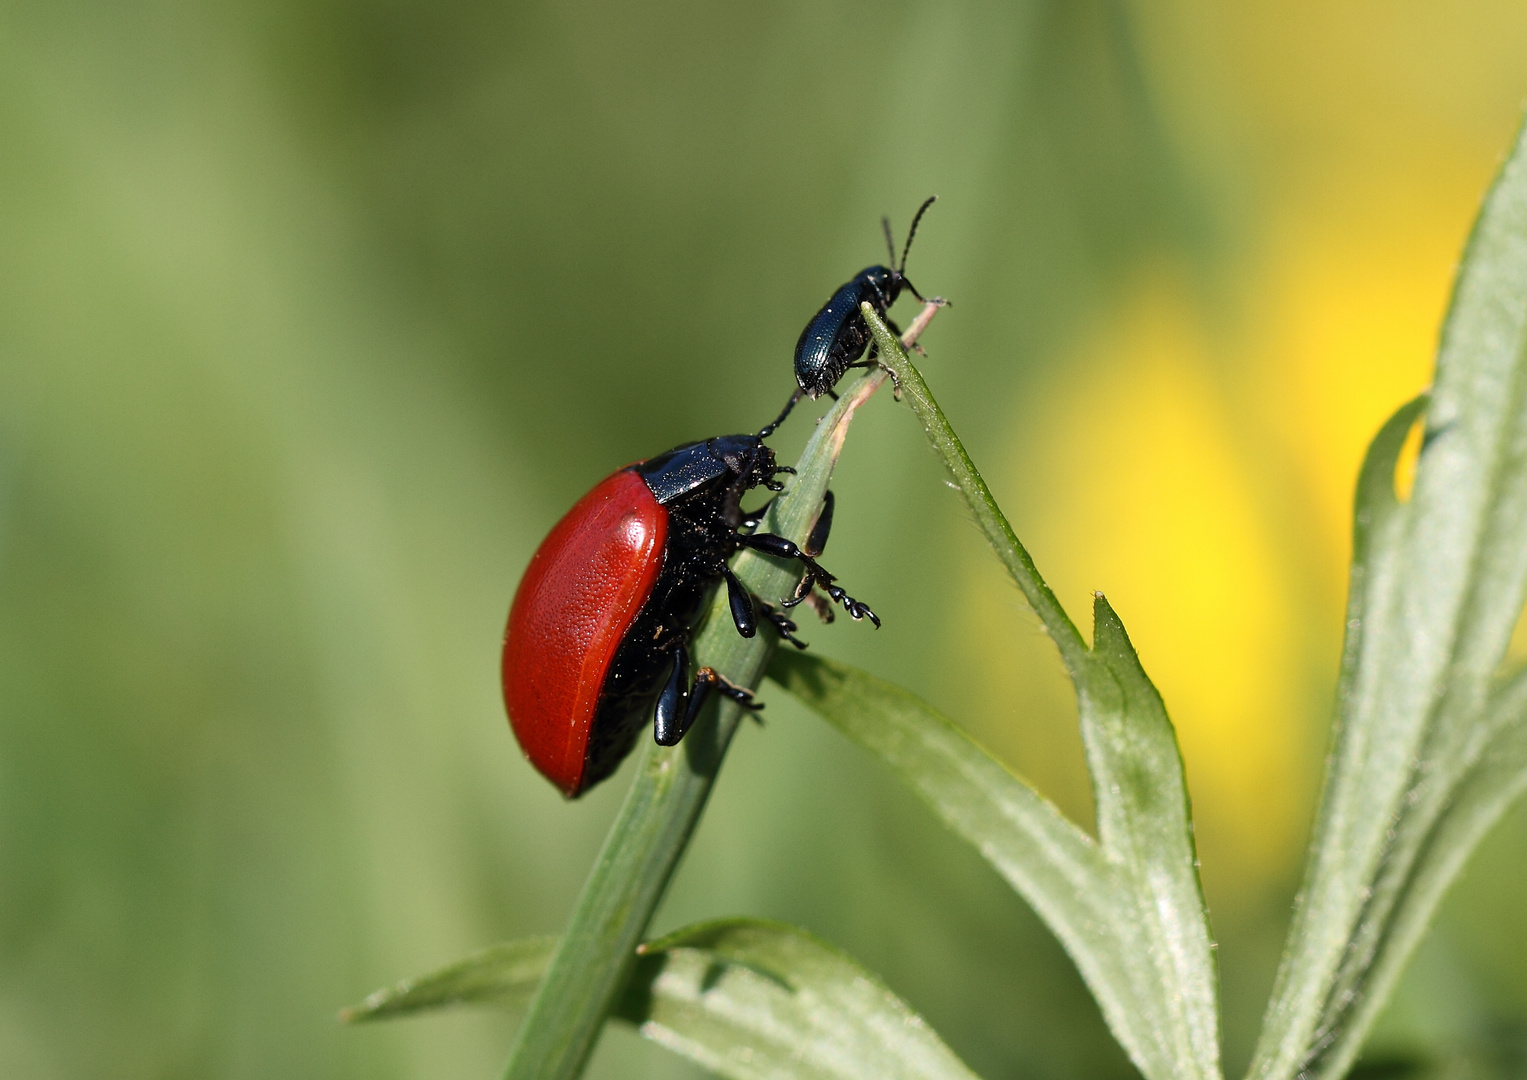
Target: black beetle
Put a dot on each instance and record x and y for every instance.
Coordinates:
(836, 336)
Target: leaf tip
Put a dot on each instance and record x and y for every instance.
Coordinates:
(1105, 621)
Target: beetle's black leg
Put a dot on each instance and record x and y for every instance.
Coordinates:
(708, 679)
(668, 725)
(815, 575)
(782, 623)
(872, 358)
(676, 709)
(857, 609)
(874, 361)
(769, 428)
(751, 520)
(742, 605)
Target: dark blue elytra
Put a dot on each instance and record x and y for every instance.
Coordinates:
(836, 337)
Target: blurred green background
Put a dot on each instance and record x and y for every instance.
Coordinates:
(315, 316)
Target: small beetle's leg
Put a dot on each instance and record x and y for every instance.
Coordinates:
(741, 602)
(677, 710)
(708, 679)
(782, 623)
(815, 575)
(872, 359)
(891, 325)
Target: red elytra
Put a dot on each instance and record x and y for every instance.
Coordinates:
(580, 594)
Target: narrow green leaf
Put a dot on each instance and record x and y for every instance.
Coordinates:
(1376, 521)
(1168, 1018)
(1319, 925)
(1086, 900)
(506, 974)
(1496, 779)
(1145, 825)
(751, 1000)
(1440, 589)
(745, 998)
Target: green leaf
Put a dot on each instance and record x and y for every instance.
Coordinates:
(1151, 966)
(1052, 864)
(1378, 525)
(745, 998)
(1437, 587)
(750, 1000)
(1495, 780)
(505, 974)
(1145, 825)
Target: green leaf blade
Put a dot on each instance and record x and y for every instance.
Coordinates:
(1437, 589)
(752, 1000)
(1145, 825)
(1057, 868)
(746, 998)
(1171, 1024)
(1320, 930)
(1496, 780)
(506, 974)
(1470, 495)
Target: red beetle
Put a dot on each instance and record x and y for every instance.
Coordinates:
(598, 634)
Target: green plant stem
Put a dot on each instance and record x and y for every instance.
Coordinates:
(669, 792)
(633, 869)
(989, 517)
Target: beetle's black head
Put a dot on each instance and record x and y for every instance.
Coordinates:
(749, 459)
(884, 282)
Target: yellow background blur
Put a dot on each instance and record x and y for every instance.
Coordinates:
(315, 316)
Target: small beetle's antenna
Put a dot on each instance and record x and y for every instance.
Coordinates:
(769, 429)
(890, 241)
(921, 210)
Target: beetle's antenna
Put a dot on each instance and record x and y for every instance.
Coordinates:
(890, 241)
(769, 429)
(921, 210)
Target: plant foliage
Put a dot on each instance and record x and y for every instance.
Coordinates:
(1430, 749)
(746, 998)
